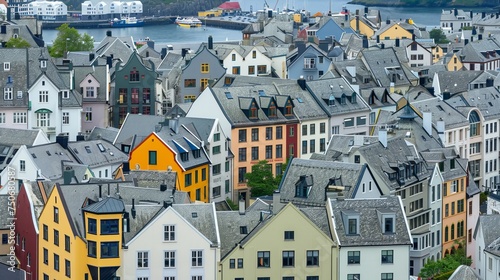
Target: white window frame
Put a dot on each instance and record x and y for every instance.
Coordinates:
(88, 114)
(43, 96)
(65, 118)
(6, 66)
(2, 118)
(90, 92)
(169, 233)
(169, 255)
(22, 165)
(7, 93)
(20, 117)
(196, 258)
(142, 259)
(43, 119)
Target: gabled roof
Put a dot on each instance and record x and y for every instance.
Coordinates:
(487, 100)
(386, 67)
(152, 179)
(95, 153)
(202, 217)
(483, 51)
(99, 73)
(316, 176)
(370, 225)
(456, 81)
(442, 111)
(50, 159)
(106, 134)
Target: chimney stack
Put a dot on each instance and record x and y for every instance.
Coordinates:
(427, 119)
(382, 137)
(241, 206)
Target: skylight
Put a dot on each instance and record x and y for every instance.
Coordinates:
(228, 95)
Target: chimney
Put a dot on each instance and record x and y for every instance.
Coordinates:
(471, 14)
(378, 39)
(62, 139)
(427, 119)
(301, 47)
(323, 45)
(184, 52)
(480, 37)
(302, 82)
(241, 206)
(382, 137)
(365, 42)
(466, 41)
(440, 126)
(163, 53)
(68, 174)
(382, 46)
(455, 12)
(446, 95)
(413, 37)
(109, 61)
(346, 17)
(163, 187)
(397, 42)
(387, 21)
(133, 208)
(109, 33)
(80, 137)
(277, 205)
(109, 191)
(489, 82)
(483, 14)
(366, 10)
(357, 22)
(210, 42)
(391, 87)
(100, 192)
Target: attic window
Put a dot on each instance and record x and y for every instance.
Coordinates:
(350, 219)
(272, 111)
(101, 147)
(262, 92)
(303, 186)
(331, 100)
(6, 66)
(228, 95)
(87, 148)
(43, 64)
(194, 215)
(243, 230)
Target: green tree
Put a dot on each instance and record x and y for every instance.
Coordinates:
(261, 180)
(68, 39)
(18, 43)
(448, 264)
(438, 36)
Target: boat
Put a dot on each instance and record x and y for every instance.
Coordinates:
(127, 22)
(188, 22)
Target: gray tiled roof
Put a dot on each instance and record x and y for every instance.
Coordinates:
(319, 217)
(481, 50)
(386, 160)
(324, 89)
(49, 158)
(135, 124)
(362, 73)
(305, 106)
(99, 73)
(442, 110)
(229, 228)
(490, 225)
(143, 216)
(202, 217)
(487, 100)
(18, 137)
(107, 134)
(456, 81)
(152, 179)
(344, 144)
(380, 61)
(5, 214)
(90, 153)
(370, 225)
(21, 30)
(446, 155)
(464, 272)
(317, 174)
(232, 107)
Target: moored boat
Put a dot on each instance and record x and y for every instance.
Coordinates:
(127, 22)
(188, 22)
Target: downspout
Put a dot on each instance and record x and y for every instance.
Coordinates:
(215, 261)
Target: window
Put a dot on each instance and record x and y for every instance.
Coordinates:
(196, 258)
(188, 180)
(67, 268)
(233, 57)
(240, 263)
(109, 249)
(134, 75)
(45, 256)
(6, 66)
(7, 93)
(232, 263)
(43, 96)
(387, 256)
(236, 70)
(242, 154)
(20, 117)
(269, 152)
(279, 151)
(349, 122)
(216, 191)
(254, 54)
(304, 147)
(92, 226)
(241, 174)
(353, 277)
(88, 114)
(387, 276)
(360, 121)
(353, 226)
(109, 226)
(288, 258)
(56, 262)
(56, 237)
(67, 243)
(304, 129)
(65, 118)
(189, 83)
(255, 153)
(216, 150)
(312, 146)
(56, 215)
(91, 249)
(142, 260)
(216, 169)
(279, 132)
(289, 234)
(169, 233)
(388, 225)
(261, 69)
(251, 70)
(269, 133)
(312, 258)
(309, 63)
(169, 260)
(353, 257)
(312, 129)
(255, 134)
(205, 68)
(2, 118)
(263, 259)
(89, 92)
(43, 119)
(242, 133)
(312, 277)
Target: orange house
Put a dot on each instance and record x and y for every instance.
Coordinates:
(177, 150)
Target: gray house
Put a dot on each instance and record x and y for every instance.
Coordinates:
(308, 61)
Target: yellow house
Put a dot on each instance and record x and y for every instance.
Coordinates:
(437, 53)
(180, 152)
(454, 63)
(364, 28)
(394, 31)
(68, 251)
(278, 248)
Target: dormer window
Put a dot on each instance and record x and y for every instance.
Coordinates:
(353, 98)
(452, 163)
(342, 100)
(351, 222)
(272, 111)
(196, 153)
(388, 225)
(6, 66)
(303, 186)
(43, 63)
(331, 100)
(65, 94)
(387, 219)
(184, 156)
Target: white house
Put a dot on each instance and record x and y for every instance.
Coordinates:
(44, 10)
(180, 242)
(485, 257)
(436, 181)
(361, 227)
(418, 55)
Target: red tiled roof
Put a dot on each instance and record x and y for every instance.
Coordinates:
(227, 6)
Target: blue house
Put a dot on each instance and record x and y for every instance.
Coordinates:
(331, 29)
(309, 61)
